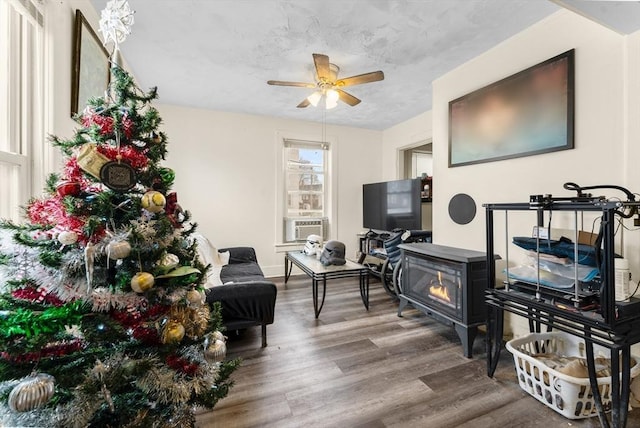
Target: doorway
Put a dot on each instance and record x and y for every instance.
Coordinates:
(416, 161)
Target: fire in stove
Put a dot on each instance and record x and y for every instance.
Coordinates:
(440, 291)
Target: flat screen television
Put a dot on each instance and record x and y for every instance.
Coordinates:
(392, 205)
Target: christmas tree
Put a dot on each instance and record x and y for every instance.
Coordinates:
(102, 315)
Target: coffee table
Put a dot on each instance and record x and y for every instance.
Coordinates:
(311, 266)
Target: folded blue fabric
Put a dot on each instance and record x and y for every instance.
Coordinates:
(562, 248)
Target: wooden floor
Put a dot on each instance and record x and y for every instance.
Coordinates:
(353, 368)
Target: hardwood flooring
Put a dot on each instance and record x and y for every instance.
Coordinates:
(358, 368)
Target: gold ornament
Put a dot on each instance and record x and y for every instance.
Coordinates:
(32, 392)
(142, 281)
(215, 350)
(173, 332)
(194, 319)
(153, 201)
(195, 298)
(118, 250)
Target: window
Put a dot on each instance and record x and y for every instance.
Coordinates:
(305, 164)
(22, 133)
(306, 199)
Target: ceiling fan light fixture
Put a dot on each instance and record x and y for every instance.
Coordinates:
(314, 98)
(332, 97)
(328, 86)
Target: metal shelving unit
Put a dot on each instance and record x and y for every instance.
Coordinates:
(611, 324)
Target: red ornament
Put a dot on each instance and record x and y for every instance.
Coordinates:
(68, 188)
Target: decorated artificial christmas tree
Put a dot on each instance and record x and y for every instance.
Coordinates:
(102, 315)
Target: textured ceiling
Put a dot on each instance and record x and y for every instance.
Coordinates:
(219, 54)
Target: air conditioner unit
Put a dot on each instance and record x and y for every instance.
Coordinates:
(297, 229)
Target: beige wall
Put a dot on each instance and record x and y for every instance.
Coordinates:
(59, 26)
(407, 134)
(606, 133)
(226, 163)
(226, 175)
(599, 111)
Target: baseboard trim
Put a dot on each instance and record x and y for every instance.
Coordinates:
(278, 271)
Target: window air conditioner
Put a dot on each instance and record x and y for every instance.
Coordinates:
(297, 229)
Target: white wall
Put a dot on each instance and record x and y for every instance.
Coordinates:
(225, 166)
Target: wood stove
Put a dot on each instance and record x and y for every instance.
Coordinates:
(448, 284)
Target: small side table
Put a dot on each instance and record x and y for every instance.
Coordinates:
(318, 272)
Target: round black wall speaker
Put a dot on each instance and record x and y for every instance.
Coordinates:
(462, 208)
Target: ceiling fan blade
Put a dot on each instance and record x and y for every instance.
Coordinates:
(304, 103)
(374, 76)
(348, 98)
(322, 66)
(298, 84)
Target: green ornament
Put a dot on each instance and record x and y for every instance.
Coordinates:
(167, 175)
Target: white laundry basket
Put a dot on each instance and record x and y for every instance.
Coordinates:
(570, 396)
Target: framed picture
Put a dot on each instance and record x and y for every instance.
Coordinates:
(525, 114)
(91, 74)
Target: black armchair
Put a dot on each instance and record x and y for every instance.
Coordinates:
(247, 298)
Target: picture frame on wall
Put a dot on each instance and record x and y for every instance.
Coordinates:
(525, 114)
(91, 70)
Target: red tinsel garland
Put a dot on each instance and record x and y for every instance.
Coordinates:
(50, 212)
(182, 365)
(138, 160)
(72, 171)
(131, 318)
(127, 127)
(146, 335)
(33, 295)
(46, 212)
(106, 124)
(138, 322)
(50, 351)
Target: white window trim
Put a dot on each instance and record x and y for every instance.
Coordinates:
(330, 185)
(34, 160)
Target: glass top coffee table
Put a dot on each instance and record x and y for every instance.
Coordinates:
(311, 266)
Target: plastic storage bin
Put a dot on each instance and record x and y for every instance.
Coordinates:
(570, 396)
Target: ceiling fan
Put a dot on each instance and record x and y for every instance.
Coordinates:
(328, 85)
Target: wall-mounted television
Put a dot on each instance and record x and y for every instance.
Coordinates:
(392, 205)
